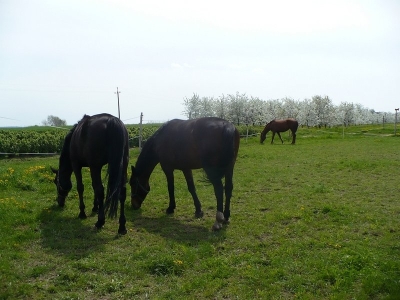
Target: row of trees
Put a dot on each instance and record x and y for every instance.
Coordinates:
(317, 111)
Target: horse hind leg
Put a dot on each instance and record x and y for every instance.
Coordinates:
(122, 219)
(98, 189)
(219, 193)
(101, 218)
(294, 137)
(219, 220)
(122, 197)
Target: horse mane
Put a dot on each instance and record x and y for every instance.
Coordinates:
(64, 155)
(150, 142)
(71, 131)
(147, 155)
(65, 160)
(84, 122)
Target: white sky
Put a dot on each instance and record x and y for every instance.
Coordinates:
(66, 58)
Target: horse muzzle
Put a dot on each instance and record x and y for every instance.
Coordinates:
(136, 204)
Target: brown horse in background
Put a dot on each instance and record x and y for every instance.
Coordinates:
(277, 126)
(208, 143)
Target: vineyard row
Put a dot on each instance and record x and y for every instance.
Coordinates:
(51, 140)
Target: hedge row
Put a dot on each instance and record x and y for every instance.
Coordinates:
(31, 141)
(51, 140)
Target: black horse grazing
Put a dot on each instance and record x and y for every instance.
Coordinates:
(208, 143)
(277, 126)
(93, 142)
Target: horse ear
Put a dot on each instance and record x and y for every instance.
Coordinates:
(55, 171)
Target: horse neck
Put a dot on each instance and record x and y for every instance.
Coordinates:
(65, 166)
(147, 160)
(266, 129)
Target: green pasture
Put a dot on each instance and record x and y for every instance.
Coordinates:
(315, 220)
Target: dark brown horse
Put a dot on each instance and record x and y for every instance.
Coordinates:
(208, 143)
(93, 142)
(277, 126)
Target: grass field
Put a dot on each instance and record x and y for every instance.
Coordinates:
(318, 220)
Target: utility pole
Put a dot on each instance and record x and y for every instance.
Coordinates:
(383, 121)
(119, 115)
(140, 132)
(395, 120)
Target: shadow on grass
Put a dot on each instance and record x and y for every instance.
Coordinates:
(67, 235)
(188, 230)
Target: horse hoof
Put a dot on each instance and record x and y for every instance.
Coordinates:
(198, 214)
(82, 216)
(217, 226)
(170, 211)
(220, 217)
(122, 231)
(98, 225)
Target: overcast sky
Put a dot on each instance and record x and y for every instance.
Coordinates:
(67, 58)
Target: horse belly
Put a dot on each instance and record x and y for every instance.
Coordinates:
(180, 162)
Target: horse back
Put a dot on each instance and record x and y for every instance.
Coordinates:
(192, 144)
(282, 125)
(90, 140)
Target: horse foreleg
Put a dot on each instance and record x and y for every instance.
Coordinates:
(170, 181)
(190, 184)
(80, 187)
(95, 208)
(280, 137)
(219, 194)
(273, 136)
(294, 138)
(99, 194)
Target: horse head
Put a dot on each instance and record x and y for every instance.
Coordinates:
(139, 190)
(263, 135)
(264, 132)
(62, 192)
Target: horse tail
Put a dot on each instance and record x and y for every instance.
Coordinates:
(230, 139)
(117, 139)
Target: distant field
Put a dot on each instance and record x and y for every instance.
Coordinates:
(317, 220)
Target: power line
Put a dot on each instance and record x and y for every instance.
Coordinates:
(130, 119)
(10, 119)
